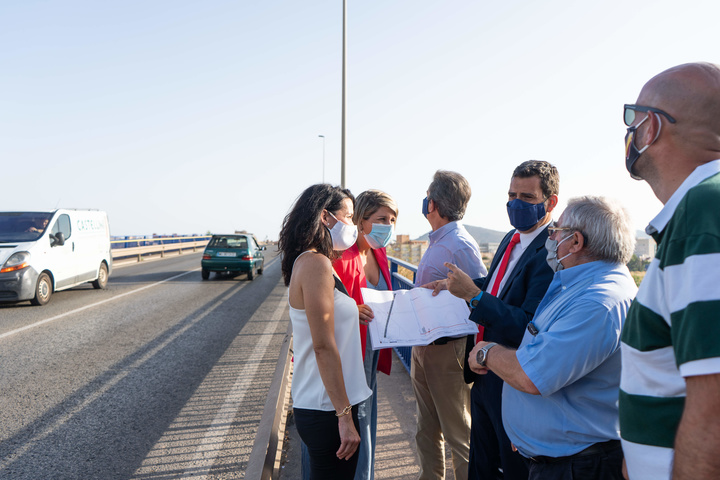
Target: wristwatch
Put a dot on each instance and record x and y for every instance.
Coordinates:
(481, 356)
(475, 301)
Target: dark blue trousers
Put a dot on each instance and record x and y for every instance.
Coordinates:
(490, 448)
(602, 466)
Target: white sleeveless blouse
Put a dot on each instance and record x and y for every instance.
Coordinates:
(308, 390)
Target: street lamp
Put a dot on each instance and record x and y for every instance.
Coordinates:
(342, 148)
(323, 137)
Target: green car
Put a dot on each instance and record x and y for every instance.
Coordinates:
(233, 254)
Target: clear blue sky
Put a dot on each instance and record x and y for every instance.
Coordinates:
(186, 116)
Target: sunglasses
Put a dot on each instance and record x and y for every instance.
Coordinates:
(630, 110)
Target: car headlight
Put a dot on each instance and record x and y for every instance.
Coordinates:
(17, 261)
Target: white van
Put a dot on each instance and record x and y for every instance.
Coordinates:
(45, 252)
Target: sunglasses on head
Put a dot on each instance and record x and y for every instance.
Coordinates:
(630, 110)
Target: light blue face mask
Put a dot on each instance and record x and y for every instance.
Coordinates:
(380, 235)
(552, 247)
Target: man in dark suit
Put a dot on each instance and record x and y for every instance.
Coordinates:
(503, 304)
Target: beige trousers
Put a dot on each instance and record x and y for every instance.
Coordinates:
(443, 408)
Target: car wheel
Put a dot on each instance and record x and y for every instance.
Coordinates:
(260, 270)
(102, 279)
(251, 273)
(205, 274)
(43, 290)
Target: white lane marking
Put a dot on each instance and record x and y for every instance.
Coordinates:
(62, 419)
(207, 452)
(62, 315)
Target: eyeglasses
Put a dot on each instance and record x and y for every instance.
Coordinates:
(630, 110)
(552, 228)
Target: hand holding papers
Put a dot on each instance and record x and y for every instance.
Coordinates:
(414, 317)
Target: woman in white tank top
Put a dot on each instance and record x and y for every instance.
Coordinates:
(328, 379)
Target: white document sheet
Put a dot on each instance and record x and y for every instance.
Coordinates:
(415, 317)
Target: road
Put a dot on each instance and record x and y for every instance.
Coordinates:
(162, 375)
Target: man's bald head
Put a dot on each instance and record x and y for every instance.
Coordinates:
(691, 94)
(670, 152)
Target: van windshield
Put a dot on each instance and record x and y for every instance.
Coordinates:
(16, 227)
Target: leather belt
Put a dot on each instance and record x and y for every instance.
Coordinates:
(602, 447)
(444, 340)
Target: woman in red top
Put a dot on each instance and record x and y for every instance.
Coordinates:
(365, 265)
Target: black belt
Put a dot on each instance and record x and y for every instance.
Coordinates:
(444, 340)
(603, 447)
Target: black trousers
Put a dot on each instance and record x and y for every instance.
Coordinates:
(490, 448)
(319, 431)
(603, 465)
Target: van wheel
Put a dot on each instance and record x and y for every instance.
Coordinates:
(102, 279)
(205, 274)
(251, 273)
(43, 290)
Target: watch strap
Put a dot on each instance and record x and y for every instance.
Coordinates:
(482, 359)
(476, 300)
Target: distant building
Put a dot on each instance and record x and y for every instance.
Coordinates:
(489, 247)
(408, 250)
(645, 248)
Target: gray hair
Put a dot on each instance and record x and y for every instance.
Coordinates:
(450, 192)
(606, 225)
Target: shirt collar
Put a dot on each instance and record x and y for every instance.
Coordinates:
(436, 235)
(527, 238)
(700, 173)
(571, 276)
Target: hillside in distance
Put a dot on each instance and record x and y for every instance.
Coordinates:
(480, 234)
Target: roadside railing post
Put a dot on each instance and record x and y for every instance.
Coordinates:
(401, 282)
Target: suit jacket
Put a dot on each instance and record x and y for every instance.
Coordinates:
(350, 270)
(506, 316)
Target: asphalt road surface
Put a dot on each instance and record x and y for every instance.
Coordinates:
(162, 375)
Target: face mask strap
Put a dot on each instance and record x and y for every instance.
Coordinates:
(656, 135)
(556, 248)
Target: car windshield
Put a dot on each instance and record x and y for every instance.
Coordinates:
(228, 241)
(18, 227)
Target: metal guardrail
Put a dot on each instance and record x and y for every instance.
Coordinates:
(154, 246)
(264, 461)
(401, 282)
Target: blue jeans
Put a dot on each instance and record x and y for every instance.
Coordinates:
(367, 418)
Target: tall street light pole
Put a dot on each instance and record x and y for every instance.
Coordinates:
(323, 137)
(342, 148)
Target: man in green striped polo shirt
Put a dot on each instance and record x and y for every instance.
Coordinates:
(670, 387)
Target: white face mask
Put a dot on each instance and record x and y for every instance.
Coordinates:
(552, 248)
(343, 235)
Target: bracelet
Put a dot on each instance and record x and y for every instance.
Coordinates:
(345, 411)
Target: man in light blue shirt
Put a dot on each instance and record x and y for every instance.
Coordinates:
(443, 397)
(449, 243)
(560, 399)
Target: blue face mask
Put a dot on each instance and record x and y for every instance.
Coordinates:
(425, 207)
(523, 215)
(380, 235)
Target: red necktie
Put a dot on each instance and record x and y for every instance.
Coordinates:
(500, 274)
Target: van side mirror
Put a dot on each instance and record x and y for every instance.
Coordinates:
(58, 240)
